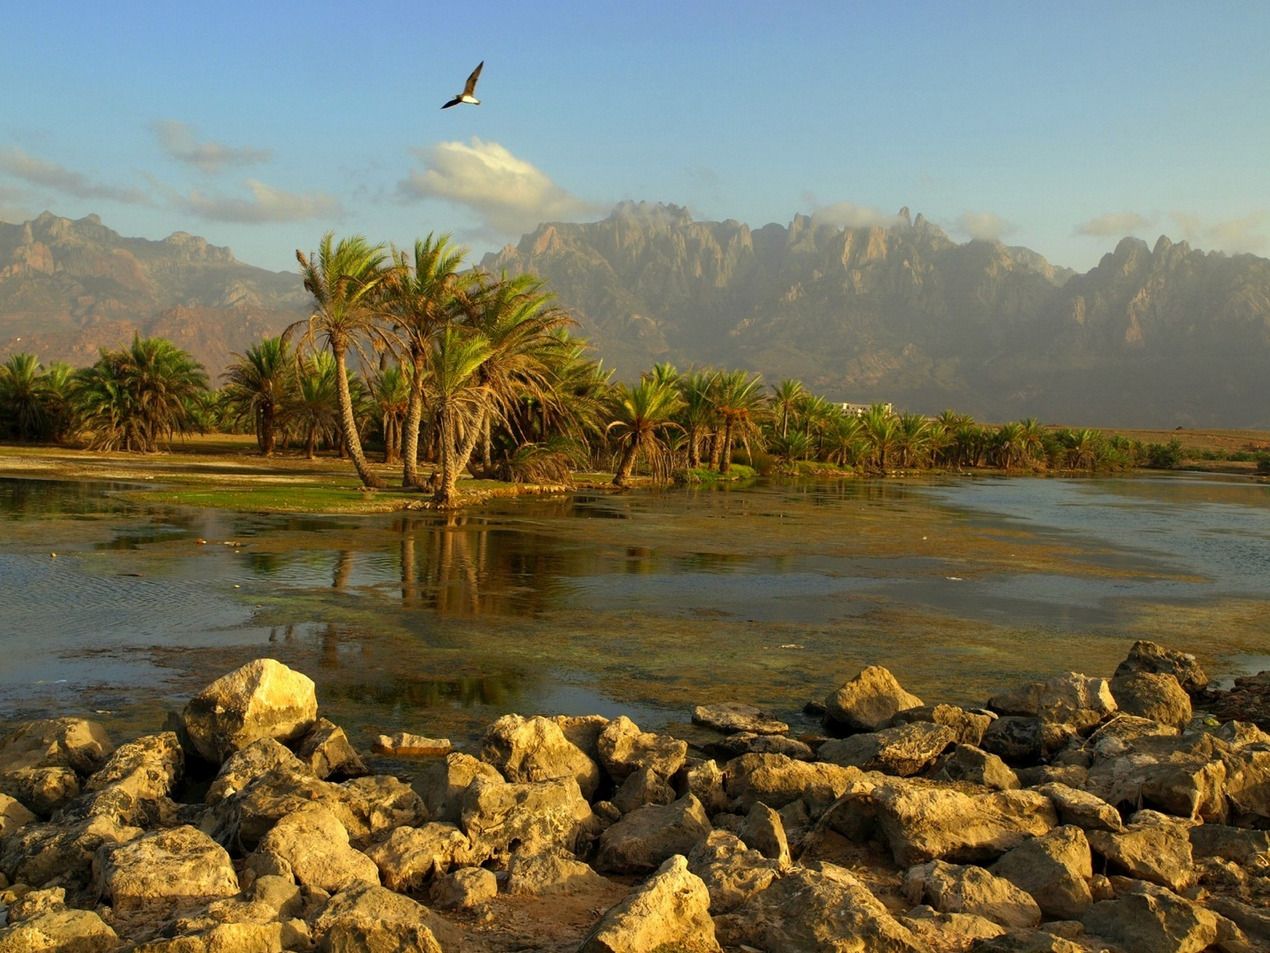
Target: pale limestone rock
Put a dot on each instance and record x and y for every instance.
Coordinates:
(968, 725)
(641, 788)
(403, 744)
(535, 749)
(1055, 869)
(546, 873)
(312, 846)
(967, 763)
(1080, 701)
(1146, 656)
(624, 748)
(328, 753)
(39, 853)
(13, 815)
(1153, 695)
(736, 718)
(949, 931)
(731, 871)
(777, 780)
(1085, 810)
(263, 699)
(164, 871)
(950, 888)
(669, 910)
(501, 818)
(703, 778)
(1152, 847)
(410, 856)
(244, 766)
(367, 917)
(443, 783)
(646, 838)
(764, 831)
(904, 750)
(464, 888)
(1154, 920)
(59, 931)
(869, 701)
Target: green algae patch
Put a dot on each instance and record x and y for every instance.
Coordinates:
(289, 498)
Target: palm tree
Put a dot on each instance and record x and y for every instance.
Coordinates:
(738, 398)
(697, 415)
(849, 445)
(136, 396)
(1007, 445)
(459, 401)
(258, 384)
(882, 430)
(314, 410)
(784, 397)
(345, 280)
(422, 296)
(1032, 438)
(23, 408)
(390, 390)
(912, 440)
(639, 415)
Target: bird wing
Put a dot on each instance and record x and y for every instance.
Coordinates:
(471, 80)
(453, 102)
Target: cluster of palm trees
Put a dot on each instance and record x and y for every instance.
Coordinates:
(433, 361)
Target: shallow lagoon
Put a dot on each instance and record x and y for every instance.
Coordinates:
(645, 603)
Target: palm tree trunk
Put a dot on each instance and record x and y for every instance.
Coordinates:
(414, 416)
(348, 423)
(626, 464)
(448, 495)
(725, 460)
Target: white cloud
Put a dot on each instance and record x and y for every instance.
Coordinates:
(509, 194)
(1114, 225)
(850, 215)
(50, 175)
(265, 205)
(177, 140)
(984, 226)
(1235, 235)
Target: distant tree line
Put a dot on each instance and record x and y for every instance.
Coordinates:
(454, 370)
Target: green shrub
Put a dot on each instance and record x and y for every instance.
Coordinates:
(1164, 456)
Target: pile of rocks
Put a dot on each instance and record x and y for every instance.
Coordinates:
(1074, 814)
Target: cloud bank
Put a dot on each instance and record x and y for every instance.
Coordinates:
(1236, 235)
(50, 175)
(1114, 225)
(510, 195)
(984, 226)
(266, 205)
(177, 140)
(850, 215)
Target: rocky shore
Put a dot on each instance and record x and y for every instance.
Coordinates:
(1081, 813)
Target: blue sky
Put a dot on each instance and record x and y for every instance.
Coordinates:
(1059, 126)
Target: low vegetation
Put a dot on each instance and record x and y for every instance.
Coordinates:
(410, 357)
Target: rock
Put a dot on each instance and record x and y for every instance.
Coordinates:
(778, 780)
(535, 749)
(405, 745)
(367, 917)
(312, 846)
(1152, 847)
(442, 784)
(836, 914)
(623, 748)
(731, 871)
(968, 725)
(704, 780)
(327, 752)
(501, 818)
(547, 873)
(34, 902)
(733, 746)
(1248, 700)
(412, 856)
(1037, 941)
(1146, 656)
(1055, 869)
(135, 783)
(736, 718)
(271, 937)
(584, 732)
(1153, 695)
(263, 699)
(42, 763)
(642, 788)
(1079, 701)
(244, 766)
(1247, 786)
(869, 701)
(1181, 775)
(667, 911)
(948, 931)
(1085, 810)
(1021, 740)
(13, 815)
(1154, 921)
(38, 854)
(1250, 849)
(59, 931)
(240, 819)
(1253, 921)
(976, 766)
(164, 871)
(904, 750)
(949, 888)
(921, 823)
(763, 830)
(642, 840)
(464, 888)
(371, 806)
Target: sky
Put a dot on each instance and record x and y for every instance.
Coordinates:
(1059, 126)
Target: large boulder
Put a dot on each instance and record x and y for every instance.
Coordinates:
(164, 871)
(38, 854)
(367, 917)
(443, 783)
(670, 910)
(410, 857)
(904, 750)
(976, 766)
(869, 701)
(1181, 775)
(1080, 701)
(43, 763)
(311, 845)
(968, 725)
(547, 873)
(263, 699)
(1055, 869)
(731, 871)
(1152, 847)
(644, 839)
(535, 749)
(950, 888)
(736, 718)
(59, 931)
(500, 817)
(328, 753)
(777, 780)
(1146, 656)
(13, 815)
(1154, 920)
(1084, 810)
(1154, 695)
(624, 748)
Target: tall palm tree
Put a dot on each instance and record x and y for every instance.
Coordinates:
(697, 414)
(784, 396)
(459, 401)
(1032, 438)
(23, 408)
(390, 392)
(345, 280)
(136, 396)
(639, 415)
(258, 384)
(314, 410)
(912, 440)
(738, 399)
(881, 428)
(424, 294)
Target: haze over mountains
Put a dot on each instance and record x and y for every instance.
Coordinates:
(1152, 337)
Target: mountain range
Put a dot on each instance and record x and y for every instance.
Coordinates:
(1158, 336)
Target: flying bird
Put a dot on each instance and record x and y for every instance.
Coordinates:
(466, 96)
